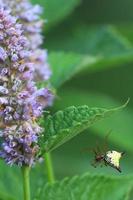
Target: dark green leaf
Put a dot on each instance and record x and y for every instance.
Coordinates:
(100, 48)
(94, 40)
(90, 187)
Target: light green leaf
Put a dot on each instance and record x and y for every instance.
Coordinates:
(89, 187)
(56, 11)
(121, 123)
(64, 125)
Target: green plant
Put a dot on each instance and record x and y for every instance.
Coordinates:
(91, 66)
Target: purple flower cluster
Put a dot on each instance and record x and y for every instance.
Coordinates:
(21, 103)
(29, 17)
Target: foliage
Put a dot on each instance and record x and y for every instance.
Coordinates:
(64, 125)
(119, 129)
(89, 186)
(91, 64)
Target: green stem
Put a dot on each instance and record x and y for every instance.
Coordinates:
(26, 182)
(49, 166)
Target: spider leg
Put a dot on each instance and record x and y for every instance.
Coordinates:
(101, 162)
(105, 163)
(84, 150)
(94, 164)
(92, 150)
(105, 144)
(98, 149)
(95, 151)
(101, 165)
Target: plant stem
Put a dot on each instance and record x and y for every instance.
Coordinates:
(26, 182)
(49, 166)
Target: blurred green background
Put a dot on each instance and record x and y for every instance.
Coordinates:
(71, 31)
(81, 30)
(106, 86)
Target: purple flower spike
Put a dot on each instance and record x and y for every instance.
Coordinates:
(3, 54)
(20, 101)
(29, 17)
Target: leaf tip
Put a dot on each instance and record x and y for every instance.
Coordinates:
(126, 103)
(123, 106)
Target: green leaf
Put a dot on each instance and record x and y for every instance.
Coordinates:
(66, 65)
(121, 123)
(5, 196)
(64, 125)
(11, 187)
(100, 48)
(126, 30)
(10, 177)
(90, 187)
(94, 40)
(56, 11)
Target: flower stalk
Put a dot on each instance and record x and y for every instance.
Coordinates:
(26, 182)
(49, 167)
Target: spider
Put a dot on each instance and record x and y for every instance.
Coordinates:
(111, 158)
(107, 157)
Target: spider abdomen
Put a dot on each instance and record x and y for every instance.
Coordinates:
(112, 158)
